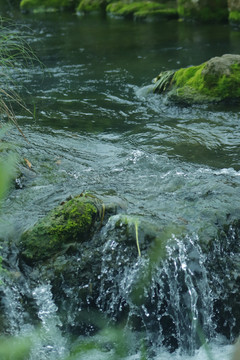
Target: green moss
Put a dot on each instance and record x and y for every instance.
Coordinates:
(46, 5)
(234, 16)
(91, 5)
(68, 223)
(191, 82)
(168, 13)
(140, 9)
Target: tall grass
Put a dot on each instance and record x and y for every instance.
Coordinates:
(14, 50)
(15, 54)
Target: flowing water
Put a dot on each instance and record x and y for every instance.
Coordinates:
(94, 127)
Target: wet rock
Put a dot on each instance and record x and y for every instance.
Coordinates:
(87, 274)
(215, 80)
(223, 266)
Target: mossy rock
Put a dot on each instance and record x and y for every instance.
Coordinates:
(216, 80)
(234, 17)
(158, 14)
(140, 9)
(46, 5)
(87, 6)
(73, 221)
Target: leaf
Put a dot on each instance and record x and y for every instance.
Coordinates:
(28, 163)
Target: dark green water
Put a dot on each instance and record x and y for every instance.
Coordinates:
(94, 128)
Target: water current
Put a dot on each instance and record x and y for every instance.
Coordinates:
(95, 128)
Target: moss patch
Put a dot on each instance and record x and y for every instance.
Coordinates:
(234, 16)
(141, 9)
(46, 5)
(215, 80)
(68, 223)
(86, 6)
(212, 86)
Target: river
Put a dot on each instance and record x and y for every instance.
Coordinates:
(95, 128)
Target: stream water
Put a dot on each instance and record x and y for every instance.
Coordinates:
(94, 128)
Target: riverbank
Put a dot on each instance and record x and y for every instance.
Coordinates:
(157, 10)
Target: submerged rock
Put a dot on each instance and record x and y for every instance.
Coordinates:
(215, 80)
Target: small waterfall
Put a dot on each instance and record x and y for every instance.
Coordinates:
(16, 317)
(171, 302)
(165, 304)
(49, 344)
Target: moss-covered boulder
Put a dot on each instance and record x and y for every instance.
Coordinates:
(203, 10)
(234, 11)
(142, 9)
(88, 6)
(72, 222)
(47, 5)
(213, 81)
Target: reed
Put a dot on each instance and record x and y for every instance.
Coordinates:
(15, 54)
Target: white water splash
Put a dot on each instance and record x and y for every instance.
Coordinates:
(48, 344)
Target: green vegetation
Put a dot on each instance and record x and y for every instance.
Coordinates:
(234, 16)
(13, 48)
(212, 86)
(14, 348)
(7, 170)
(86, 6)
(46, 5)
(138, 9)
(7, 165)
(215, 80)
(141, 9)
(71, 222)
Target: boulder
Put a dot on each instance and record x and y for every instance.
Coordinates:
(215, 80)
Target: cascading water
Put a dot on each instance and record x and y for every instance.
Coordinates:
(160, 304)
(171, 301)
(47, 342)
